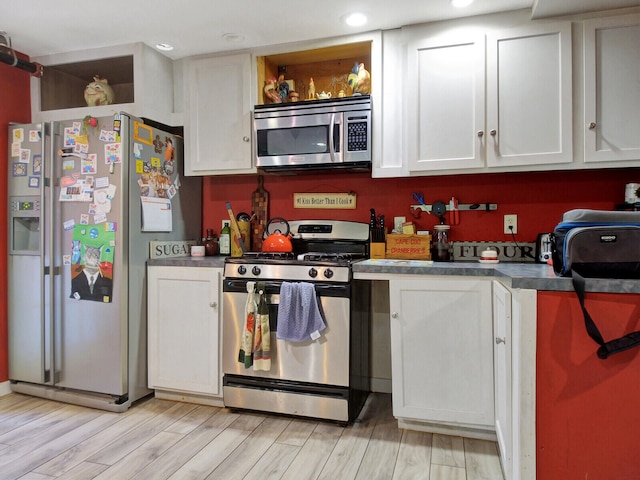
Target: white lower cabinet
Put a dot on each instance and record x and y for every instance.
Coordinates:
(502, 375)
(184, 331)
(442, 354)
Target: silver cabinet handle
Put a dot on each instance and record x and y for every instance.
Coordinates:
(592, 126)
(500, 340)
(480, 134)
(245, 139)
(493, 132)
(394, 315)
(213, 304)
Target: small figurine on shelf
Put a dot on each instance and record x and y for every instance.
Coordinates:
(271, 95)
(359, 79)
(311, 95)
(293, 96)
(283, 88)
(99, 92)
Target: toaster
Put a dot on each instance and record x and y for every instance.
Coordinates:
(543, 247)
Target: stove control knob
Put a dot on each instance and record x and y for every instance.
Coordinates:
(242, 270)
(256, 270)
(313, 273)
(328, 273)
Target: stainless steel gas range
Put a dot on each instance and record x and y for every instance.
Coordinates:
(326, 377)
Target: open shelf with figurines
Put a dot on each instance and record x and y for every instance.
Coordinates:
(316, 74)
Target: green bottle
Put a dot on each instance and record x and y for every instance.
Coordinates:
(225, 240)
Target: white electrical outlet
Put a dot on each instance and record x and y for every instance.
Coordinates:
(510, 224)
(225, 222)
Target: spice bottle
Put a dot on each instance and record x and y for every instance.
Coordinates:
(225, 240)
(210, 244)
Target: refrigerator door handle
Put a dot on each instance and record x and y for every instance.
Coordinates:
(48, 256)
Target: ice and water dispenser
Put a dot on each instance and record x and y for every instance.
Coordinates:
(24, 225)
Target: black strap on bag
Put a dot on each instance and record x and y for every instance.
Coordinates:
(606, 348)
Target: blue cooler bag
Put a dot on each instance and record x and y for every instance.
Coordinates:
(600, 244)
(597, 243)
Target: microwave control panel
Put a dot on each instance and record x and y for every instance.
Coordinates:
(357, 131)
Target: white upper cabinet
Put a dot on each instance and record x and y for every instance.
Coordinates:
(612, 89)
(218, 115)
(529, 88)
(446, 109)
(482, 98)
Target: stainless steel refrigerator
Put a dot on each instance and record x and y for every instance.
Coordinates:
(86, 197)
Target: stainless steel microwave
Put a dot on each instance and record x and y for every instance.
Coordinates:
(314, 134)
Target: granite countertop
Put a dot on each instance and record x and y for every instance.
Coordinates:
(533, 276)
(212, 262)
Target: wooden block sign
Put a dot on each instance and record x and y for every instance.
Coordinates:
(342, 201)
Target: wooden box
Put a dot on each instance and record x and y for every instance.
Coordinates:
(410, 247)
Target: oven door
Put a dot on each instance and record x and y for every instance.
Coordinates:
(323, 361)
(299, 140)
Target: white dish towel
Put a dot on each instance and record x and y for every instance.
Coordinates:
(299, 318)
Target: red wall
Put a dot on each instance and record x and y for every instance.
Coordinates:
(586, 408)
(539, 199)
(15, 106)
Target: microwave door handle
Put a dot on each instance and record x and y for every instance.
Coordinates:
(332, 147)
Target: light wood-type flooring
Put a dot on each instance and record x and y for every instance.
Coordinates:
(160, 439)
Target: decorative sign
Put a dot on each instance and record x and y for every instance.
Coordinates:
(507, 251)
(171, 248)
(341, 201)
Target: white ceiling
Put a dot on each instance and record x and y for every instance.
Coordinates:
(43, 27)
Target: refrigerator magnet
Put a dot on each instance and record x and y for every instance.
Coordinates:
(84, 219)
(37, 164)
(25, 155)
(142, 133)
(69, 137)
(19, 169)
(108, 136)
(34, 136)
(15, 149)
(112, 153)
(34, 182)
(158, 144)
(89, 164)
(18, 135)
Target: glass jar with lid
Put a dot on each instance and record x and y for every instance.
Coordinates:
(440, 244)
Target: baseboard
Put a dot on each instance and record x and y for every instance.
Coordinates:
(448, 429)
(5, 388)
(190, 398)
(380, 385)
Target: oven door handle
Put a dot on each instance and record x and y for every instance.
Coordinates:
(273, 289)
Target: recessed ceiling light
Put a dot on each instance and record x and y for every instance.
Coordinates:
(355, 19)
(165, 47)
(461, 3)
(233, 37)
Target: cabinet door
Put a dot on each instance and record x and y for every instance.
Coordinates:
(502, 373)
(442, 350)
(445, 103)
(611, 89)
(183, 329)
(529, 104)
(218, 115)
